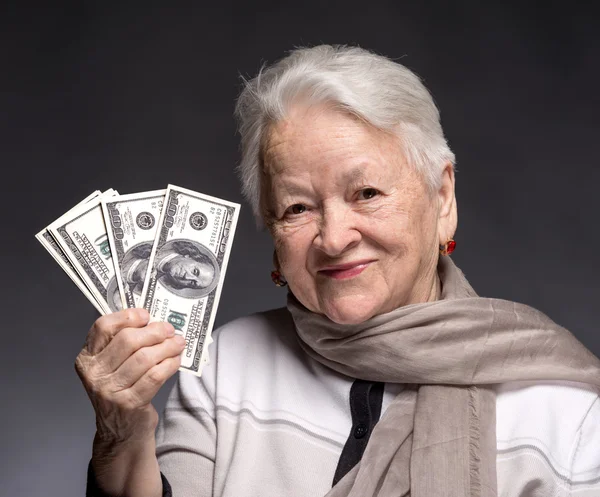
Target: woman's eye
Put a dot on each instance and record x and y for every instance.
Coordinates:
(367, 193)
(296, 209)
(196, 272)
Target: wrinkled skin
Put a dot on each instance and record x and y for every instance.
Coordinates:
(122, 365)
(336, 191)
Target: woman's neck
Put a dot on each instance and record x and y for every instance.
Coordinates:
(429, 289)
(436, 289)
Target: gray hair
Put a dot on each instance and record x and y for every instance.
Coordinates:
(371, 87)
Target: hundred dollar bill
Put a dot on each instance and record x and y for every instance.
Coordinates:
(81, 234)
(49, 243)
(187, 267)
(131, 222)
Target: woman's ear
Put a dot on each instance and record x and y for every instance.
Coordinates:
(447, 211)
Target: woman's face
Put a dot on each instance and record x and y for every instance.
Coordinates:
(187, 272)
(356, 232)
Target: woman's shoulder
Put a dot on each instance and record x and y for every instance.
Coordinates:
(551, 426)
(560, 401)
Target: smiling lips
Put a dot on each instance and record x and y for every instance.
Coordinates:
(345, 271)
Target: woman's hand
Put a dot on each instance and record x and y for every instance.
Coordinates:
(122, 365)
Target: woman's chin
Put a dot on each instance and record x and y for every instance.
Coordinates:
(350, 310)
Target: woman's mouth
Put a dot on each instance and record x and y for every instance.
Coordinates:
(345, 271)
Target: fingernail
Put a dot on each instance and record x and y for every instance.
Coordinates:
(170, 329)
(142, 313)
(179, 340)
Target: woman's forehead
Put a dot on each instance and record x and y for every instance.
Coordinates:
(316, 123)
(324, 137)
(351, 163)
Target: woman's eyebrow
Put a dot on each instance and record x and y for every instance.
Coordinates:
(355, 175)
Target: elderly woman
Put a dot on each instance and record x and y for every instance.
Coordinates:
(385, 375)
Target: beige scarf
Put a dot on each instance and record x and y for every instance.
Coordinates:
(438, 437)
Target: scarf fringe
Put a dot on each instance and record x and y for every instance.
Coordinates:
(474, 443)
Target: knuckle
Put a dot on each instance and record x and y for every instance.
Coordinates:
(81, 370)
(130, 339)
(95, 378)
(101, 324)
(143, 358)
(83, 366)
(118, 382)
(120, 402)
(112, 323)
(129, 315)
(157, 328)
(78, 364)
(132, 402)
(171, 365)
(156, 376)
(153, 334)
(102, 389)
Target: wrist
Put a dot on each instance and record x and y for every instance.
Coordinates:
(126, 468)
(108, 448)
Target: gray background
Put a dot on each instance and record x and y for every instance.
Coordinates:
(97, 95)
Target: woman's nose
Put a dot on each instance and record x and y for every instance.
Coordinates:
(337, 232)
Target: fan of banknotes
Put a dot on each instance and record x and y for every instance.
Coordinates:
(164, 250)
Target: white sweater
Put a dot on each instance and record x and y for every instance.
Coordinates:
(265, 420)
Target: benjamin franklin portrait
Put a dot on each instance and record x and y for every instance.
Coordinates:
(187, 268)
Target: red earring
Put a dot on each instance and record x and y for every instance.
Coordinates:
(278, 278)
(448, 247)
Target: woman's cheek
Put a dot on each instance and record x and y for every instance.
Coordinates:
(292, 252)
(291, 256)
